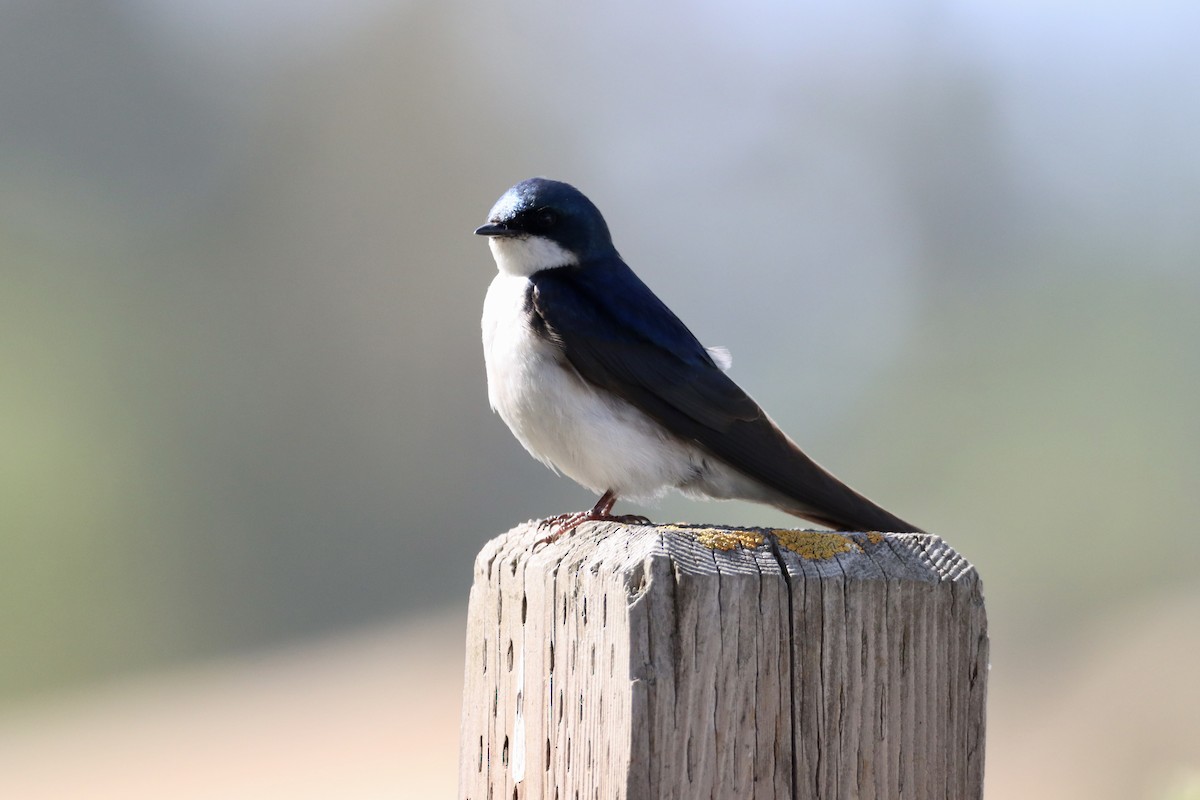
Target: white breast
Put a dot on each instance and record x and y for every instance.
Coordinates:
(600, 441)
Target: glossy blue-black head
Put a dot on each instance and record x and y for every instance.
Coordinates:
(541, 224)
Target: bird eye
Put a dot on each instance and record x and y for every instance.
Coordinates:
(547, 217)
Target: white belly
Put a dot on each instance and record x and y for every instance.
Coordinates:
(600, 441)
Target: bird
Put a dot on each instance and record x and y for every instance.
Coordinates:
(598, 379)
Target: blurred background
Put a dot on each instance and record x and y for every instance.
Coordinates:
(245, 446)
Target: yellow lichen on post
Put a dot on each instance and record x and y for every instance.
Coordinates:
(722, 538)
(813, 545)
(816, 545)
(717, 539)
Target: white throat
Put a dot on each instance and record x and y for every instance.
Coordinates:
(524, 255)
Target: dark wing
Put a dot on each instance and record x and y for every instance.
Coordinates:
(619, 336)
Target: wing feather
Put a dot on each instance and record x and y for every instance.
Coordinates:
(619, 336)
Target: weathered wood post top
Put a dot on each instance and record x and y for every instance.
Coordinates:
(679, 661)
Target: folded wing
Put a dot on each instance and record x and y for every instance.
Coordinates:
(619, 336)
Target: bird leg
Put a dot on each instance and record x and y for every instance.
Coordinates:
(601, 512)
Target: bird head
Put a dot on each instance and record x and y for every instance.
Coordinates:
(543, 224)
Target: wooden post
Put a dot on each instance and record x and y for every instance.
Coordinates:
(682, 662)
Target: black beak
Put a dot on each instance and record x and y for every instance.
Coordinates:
(496, 229)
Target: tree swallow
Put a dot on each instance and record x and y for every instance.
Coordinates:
(599, 380)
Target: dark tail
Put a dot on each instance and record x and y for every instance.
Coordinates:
(806, 489)
(859, 515)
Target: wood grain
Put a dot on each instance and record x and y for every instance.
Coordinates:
(686, 661)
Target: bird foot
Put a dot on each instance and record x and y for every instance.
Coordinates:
(550, 522)
(566, 523)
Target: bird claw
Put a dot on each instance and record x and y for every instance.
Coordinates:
(550, 522)
(566, 523)
(562, 524)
